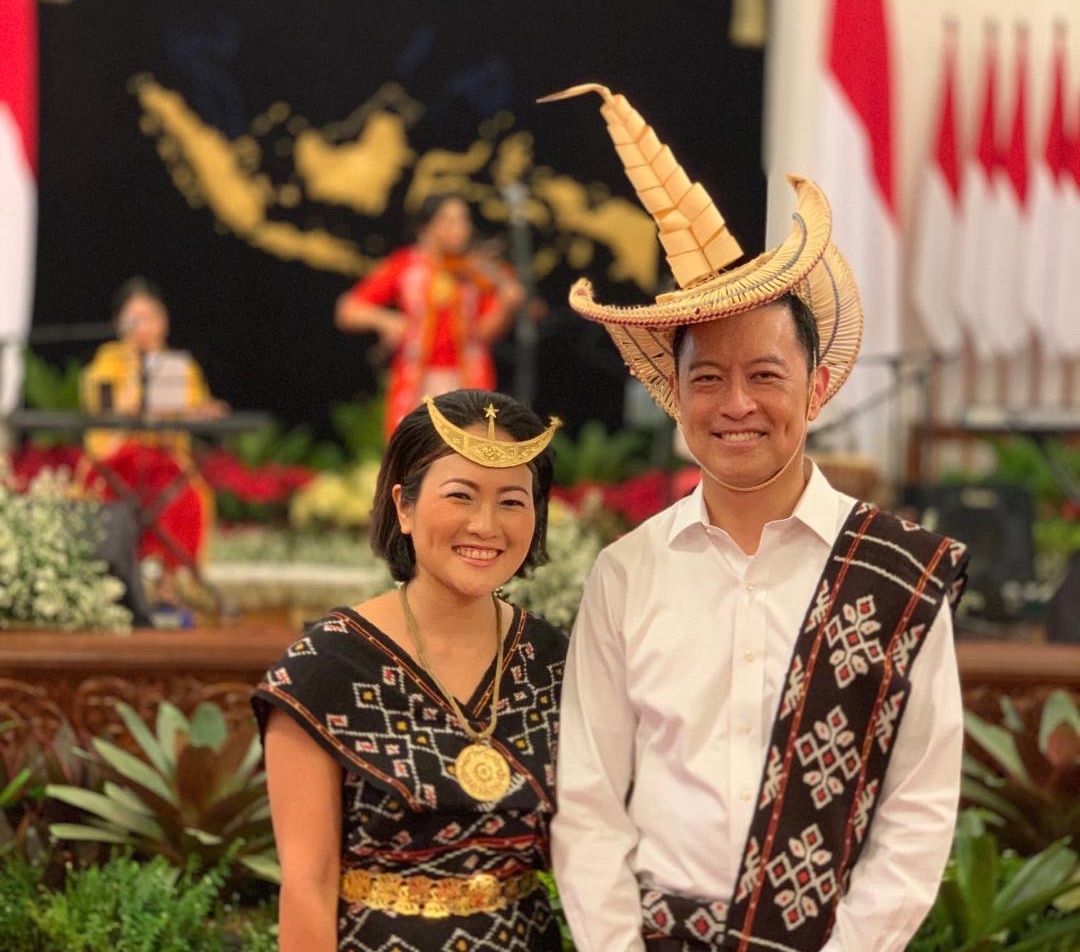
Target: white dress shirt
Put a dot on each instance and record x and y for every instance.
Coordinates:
(678, 655)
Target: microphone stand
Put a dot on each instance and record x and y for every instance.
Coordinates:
(525, 332)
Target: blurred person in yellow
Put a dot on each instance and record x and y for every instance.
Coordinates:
(138, 376)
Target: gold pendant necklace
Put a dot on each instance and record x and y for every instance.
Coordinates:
(481, 770)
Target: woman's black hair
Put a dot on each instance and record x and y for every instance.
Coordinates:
(415, 445)
(429, 208)
(137, 286)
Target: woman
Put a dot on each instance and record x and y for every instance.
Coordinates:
(410, 740)
(137, 375)
(436, 306)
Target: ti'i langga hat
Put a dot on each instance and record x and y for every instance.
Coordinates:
(699, 247)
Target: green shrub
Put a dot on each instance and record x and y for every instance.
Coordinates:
(19, 881)
(127, 906)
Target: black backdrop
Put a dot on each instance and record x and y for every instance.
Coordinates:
(261, 326)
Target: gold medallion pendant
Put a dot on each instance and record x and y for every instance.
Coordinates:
(483, 772)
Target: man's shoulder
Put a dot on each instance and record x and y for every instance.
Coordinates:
(901, 526)
(913, 545)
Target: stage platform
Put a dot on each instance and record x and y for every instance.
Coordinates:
(47, 678)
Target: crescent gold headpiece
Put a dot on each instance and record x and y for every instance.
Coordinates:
(487, 450)
(699, 248)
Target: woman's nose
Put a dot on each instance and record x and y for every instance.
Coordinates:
(482, 521)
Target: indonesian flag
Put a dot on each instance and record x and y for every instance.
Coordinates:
(852, 160)
(1065, 328)
(937, 221)
(997, 292)
(976, 190)
(18, 188)
(1043, 259)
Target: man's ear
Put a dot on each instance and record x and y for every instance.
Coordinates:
(817, 395)
(404, 511)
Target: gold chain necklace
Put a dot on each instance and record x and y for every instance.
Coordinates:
(482, 771)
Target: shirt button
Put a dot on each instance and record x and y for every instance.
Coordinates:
(751, 587)
(745, 730)
(749, 656)
(745, 797)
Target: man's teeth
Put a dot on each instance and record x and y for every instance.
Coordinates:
(739, 437)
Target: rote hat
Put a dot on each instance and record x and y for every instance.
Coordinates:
(699, 246)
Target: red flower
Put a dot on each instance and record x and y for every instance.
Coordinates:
(31, 459)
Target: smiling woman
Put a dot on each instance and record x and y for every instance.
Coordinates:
(410, 739)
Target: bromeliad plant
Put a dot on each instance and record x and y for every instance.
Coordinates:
(199, 793)
(1027, 772)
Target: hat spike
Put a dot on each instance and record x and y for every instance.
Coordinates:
(695, 237)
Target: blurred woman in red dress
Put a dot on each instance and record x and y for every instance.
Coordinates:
(436, 305)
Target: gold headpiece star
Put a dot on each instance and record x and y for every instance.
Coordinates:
(487, 450)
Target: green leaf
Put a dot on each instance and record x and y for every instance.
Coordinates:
(11, 791)
(107, 809)
(251, 759)
(131, 768)
(1009, 716)
(207, 839)
(975, 792)
(170, 723)
(144, 737)
(1046, 933)
(127, 798)
(1040, 873)
(91, 834)
(976, 876)
(208, 727)
(263, 865)
(999, 743)
(1059, 708)
(294, 446)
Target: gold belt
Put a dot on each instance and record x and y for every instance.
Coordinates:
(435, 898)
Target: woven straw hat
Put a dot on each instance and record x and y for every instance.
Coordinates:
(699, 246)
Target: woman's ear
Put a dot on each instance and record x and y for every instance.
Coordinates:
(403, 510)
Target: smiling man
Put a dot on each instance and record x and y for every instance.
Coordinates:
(761, 718)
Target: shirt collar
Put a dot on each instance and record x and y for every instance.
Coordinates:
(817, 508)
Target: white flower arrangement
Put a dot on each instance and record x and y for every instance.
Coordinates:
(262, 568)
(49, 574)
(553, 590)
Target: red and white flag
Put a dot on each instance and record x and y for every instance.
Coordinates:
(1043, 260)
(937, 223)
(18, 187)
(853, 163)
(997, 291)
(1065, 326)
(975, 192)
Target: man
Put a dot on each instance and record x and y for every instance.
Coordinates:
(738, 770)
